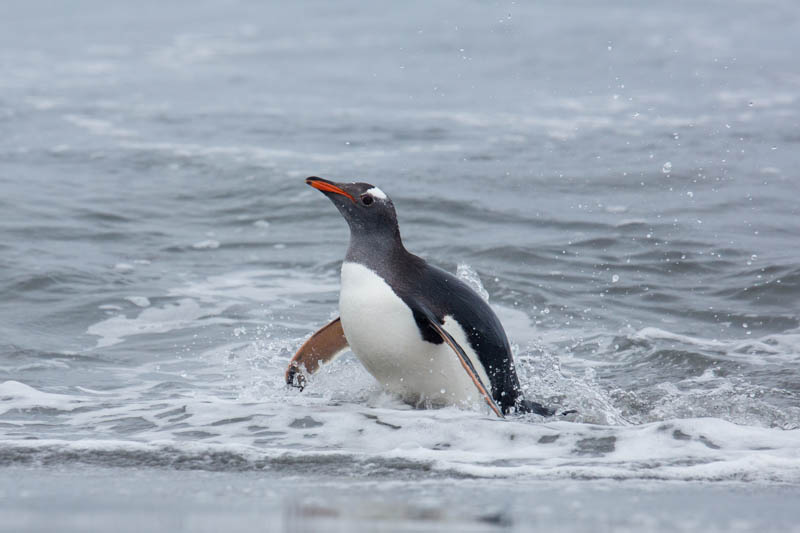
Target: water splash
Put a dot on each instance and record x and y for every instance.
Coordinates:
(468, 275)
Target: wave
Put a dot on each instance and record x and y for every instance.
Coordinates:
(652, 404)
(419, 445)
(330, 430)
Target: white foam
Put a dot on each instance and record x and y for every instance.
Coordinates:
(776, 348)
(16, 395)
(304, 428)
(97, 126)
(630, 222)
(657, 333)
(199, 303)
(209, 244)
(139, 301)
(256, 286)
(178, 315)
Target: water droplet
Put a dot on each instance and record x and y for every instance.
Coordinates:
(443, 391)
(690, 194)
(614, 278)
(667, 168)
(466, 274)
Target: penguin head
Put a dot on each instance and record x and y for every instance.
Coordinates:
(365, 207)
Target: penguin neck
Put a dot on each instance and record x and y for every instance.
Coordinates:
(377, 250)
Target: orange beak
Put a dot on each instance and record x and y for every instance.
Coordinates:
(328, 186)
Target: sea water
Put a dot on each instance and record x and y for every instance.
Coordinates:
(619, 180)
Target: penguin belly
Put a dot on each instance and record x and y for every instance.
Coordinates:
(381, 331)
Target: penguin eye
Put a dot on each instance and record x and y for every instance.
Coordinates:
(367, 199)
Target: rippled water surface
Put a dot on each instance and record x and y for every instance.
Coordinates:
(621, 179)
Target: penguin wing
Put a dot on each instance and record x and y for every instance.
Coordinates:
(322, 347)
(462, 356)
(443, 294)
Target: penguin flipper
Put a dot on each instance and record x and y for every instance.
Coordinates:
(462, 357)
(321, 347)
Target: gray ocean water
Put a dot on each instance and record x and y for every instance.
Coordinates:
(620, 178)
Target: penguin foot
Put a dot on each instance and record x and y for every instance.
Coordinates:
(295, 378)
(527, 406)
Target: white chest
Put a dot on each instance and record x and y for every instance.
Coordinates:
(382, 333)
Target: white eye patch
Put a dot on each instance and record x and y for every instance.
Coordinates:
(377, 193)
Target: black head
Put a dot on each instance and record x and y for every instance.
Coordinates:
(366, 208)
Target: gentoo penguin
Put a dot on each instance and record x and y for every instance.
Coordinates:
(420, 331)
